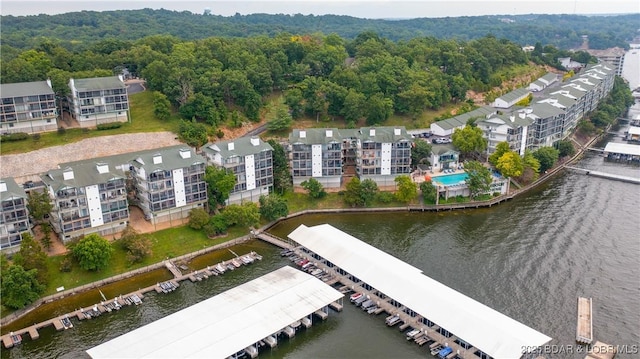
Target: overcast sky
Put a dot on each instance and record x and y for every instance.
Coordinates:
(357, 8)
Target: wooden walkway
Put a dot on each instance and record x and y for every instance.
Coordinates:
(584, 328)
(134, 298)
(628, 179)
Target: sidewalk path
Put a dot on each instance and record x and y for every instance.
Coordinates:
(26, 166)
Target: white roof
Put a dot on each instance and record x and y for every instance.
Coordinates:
(486, 329)
(634, 130)
(624, 148)
(227, 323)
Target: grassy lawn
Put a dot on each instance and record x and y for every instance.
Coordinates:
(142, 120)
(168, 243)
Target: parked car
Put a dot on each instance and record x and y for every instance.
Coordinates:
(441, 140)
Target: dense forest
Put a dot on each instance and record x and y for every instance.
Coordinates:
(79, 28)
(217, 79)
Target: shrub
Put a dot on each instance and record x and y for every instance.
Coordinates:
(66, 265)
(217, 225)
(109, 126)
(219, 134)
(35, 137)
(12, 137)
(62, 130)
(385, 197)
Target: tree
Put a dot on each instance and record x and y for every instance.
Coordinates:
(360, 193)
(420, 151)
(429, 191)
(281, 173)
(39, 205)
(565, 148)
(46, 235)
(273, 207)
(293, 98)
(469, 139)
(217, 225)
(137, 246)
(407, 189)
(220, 183)
(531, 168)
(314, 188)
(244, 215)
(510, 164)
(282, 121)
(547, 156)
(501, 149)
(161, 105)
(479, 180)
(378, 109)
(19, 287)
(192, 133)
(198, 218)
(92, 252)
(31, 256)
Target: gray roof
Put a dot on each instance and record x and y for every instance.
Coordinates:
(461, 120)
(84, 174)
(13, 190)
(98, 83)
(545, 110)
(507, 120)
(514, 95)
(22, 89)
(441, 149)
(315, 136)
(385, 134)
(171, 159)
(550, 77)
(242, 146)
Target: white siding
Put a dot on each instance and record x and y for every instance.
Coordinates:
(250, 171)
(178, 187)
(523, 141)
(385, 159)
(93, 202)
(316, 160)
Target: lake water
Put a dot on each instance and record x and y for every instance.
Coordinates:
(529, 258)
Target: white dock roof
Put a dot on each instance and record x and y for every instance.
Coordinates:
(486, 329)
(624, 148)
(227, 323)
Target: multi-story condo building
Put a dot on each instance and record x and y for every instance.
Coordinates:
(383, 153)
(28, 107)
(613, 56)
(14, 216)
(251, 160)
(88, 197)
(512, 129)
(99, 100)
(316, 153)
(168, 182)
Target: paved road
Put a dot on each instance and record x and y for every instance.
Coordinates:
(135, 86)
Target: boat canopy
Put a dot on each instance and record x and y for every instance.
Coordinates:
(227, 323)
(485, 328)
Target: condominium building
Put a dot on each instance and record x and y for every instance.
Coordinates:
(383, 153)
(316, 153)
(99, 100)
(512, 128)
(14, 216)
(250, 159)
(28, 107)
(168, 182)
(88, 197)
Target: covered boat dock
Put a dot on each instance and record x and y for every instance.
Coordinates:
(229, 324)
(443, 314)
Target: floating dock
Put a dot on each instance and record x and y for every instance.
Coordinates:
(628, 179)
(227, 325)
(584, 328)
(461, 326)
(134, 298)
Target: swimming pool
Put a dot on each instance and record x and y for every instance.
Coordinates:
(449, 180)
